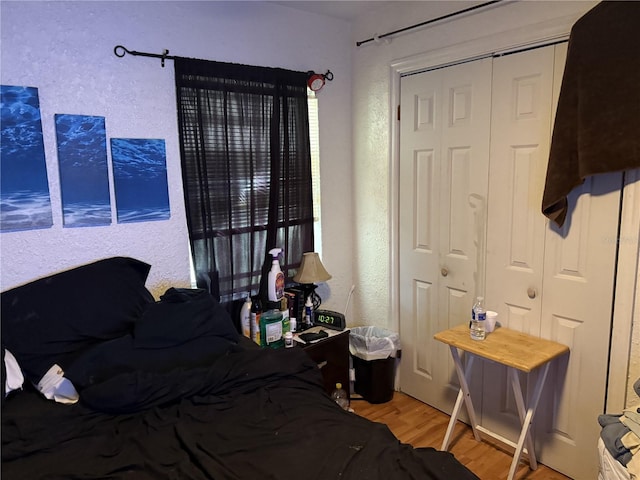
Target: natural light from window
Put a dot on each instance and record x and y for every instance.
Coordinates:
(314, 140)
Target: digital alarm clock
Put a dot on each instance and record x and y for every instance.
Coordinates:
(329, 319)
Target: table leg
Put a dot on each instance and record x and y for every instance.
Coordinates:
(526, 419)
(522, 411)
(463, 394)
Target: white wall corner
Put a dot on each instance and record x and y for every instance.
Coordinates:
(624, 368)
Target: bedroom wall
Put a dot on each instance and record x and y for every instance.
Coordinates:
(373, 116)
(65, 49)
(633, 398)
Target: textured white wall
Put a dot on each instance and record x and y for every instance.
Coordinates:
(634, 357)
(65, 49)
(373, 115)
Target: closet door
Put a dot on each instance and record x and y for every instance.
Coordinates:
(556, 284)
(444, 158)
(521, 134)
(577, 292)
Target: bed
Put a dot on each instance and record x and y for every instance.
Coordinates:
(117, 385)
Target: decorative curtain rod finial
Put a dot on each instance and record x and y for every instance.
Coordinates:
(120, 51)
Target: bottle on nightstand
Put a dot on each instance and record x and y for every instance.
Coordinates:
(245, 317)
(308, 313)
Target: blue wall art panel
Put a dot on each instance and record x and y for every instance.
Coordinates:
(140, 179)
(84, 177)
(24, 190)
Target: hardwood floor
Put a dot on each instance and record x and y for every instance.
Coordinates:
(420, 425)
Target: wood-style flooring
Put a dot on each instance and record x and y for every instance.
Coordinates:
(420, 425)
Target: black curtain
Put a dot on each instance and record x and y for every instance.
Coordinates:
(246, 168)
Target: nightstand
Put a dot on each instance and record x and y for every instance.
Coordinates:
(332, 356)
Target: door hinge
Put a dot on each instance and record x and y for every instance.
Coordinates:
(398, 112)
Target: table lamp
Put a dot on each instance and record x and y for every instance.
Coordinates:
(310, 272)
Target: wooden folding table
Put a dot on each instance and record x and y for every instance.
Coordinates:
(515, 350)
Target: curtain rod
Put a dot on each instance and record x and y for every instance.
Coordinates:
(120, 51)
(313, 77)
(433, 20)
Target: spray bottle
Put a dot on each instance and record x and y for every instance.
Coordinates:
(276, 277)
(308, 313)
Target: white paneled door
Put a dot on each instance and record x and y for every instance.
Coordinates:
(443, 182)
(556, 284)
(548, 282)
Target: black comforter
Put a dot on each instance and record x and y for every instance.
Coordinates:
(252, 414)
(168, 390)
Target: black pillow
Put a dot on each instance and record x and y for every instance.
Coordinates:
(183, 314)
(52, 319)
(102, 362)
(4, 379)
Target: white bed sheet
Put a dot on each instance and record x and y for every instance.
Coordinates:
(610, 468)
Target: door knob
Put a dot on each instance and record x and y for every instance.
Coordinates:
(531, 292)
(444, 272)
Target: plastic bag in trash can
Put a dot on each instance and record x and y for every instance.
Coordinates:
(373, 343)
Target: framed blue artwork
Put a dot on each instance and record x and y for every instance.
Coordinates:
(25, 203)
(84, 177)
(140, 179)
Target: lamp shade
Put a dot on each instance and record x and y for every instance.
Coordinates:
(311, 269)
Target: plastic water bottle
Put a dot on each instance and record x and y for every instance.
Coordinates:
(473, 309)
(478, 317)
(339, 395)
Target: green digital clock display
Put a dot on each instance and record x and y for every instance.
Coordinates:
(329, 319)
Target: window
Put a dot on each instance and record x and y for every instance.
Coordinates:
(246, 162)
(314, 142)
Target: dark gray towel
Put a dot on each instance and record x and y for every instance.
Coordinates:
(597, 124)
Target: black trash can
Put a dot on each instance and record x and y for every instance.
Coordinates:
(373, 351)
